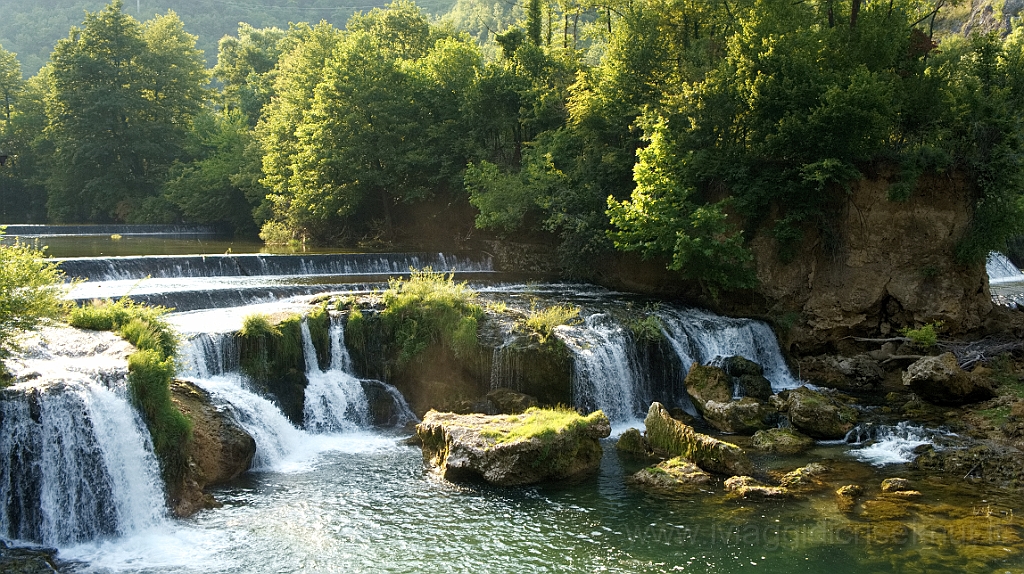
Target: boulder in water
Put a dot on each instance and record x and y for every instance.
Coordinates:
(818, 415)
(678, 439)
(676, 474)
(781, 441)
(748, 377)
(711, 389)
(632, 442)
(220, 449)
(805, 477)
(940, 380)
(744, 416)
(747, 487)
(509, 450)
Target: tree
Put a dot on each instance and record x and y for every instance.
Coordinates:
(122, 96)
(30, 292)
(245, 64)
(11, 84)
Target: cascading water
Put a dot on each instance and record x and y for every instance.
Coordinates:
(603, 375)
(76, 462)
(335, 400)
(890, 444)
(702, 337)
(1000, 268)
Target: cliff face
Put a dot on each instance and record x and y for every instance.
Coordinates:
(887, 265)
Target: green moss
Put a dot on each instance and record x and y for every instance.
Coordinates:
(355, 329)
(270, 350)
(539, 423)
(997, 416)
(650, 328)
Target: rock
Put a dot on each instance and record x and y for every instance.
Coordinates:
(940, 380)
(677, 439)
(385, 411)
(747, 487)
(508, 450)
(509, 402)
(781, 441)
(220, 449)
(846, 496)
(15, 560)
(708, 383)
(803, 477)
(895, 484)
(748, 377)
(992, 463)
(754, 386)
(675, 474)
(745, 416)
(858, 373)
(818, 415)
(632, 442)
(682, 416)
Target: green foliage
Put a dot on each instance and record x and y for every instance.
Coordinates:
(269, 349)
(142, 325)
(648, 328)
(258, 325)
(31, 291)
(355, 328)
(430, 307)
(149, 379)
(542, 321)
(925, 336)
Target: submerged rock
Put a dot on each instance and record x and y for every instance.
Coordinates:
(818, 415)
(804, 477)
(14, 560)
(676, 474)
(895, 485)
(219, 452)
(940, 380)
(846, 496)
(781, 441)
(678, 439)
(509, 450)
(747, 487)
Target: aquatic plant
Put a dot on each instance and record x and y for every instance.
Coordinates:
(542, 321)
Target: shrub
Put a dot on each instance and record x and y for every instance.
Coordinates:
(31, 291)
(430, 308)
(141, 325)
(925, 336)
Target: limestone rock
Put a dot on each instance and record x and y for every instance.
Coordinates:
(677, 439)
(744, 416)
(220, 449)
(632, 442)
(895, 484)
(675, 474)
(781, 441)
(509, 402)
(803, 477)
(857, 373)
(708, 383)
(846, 496)
(464, 446)
(747, 487)
(940, 380)
(818, 415)
(748, 376)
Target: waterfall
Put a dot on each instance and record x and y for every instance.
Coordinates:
(335, 399)
(76, 464)
(1000, 268)
(208, 354)
(603, 374)
(702, 337)
(255, 265)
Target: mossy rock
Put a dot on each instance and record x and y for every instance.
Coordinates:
(744, 416)
(677, 439)
(676, 475)
(750, 488)
(708, 383)
(805, 477)
(509, 450)
(818, 415)
(781, 441)
(633, 443)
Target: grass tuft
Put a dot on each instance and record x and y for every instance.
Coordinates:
(539, 423)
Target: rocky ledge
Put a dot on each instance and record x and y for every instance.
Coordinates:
(508, 450)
